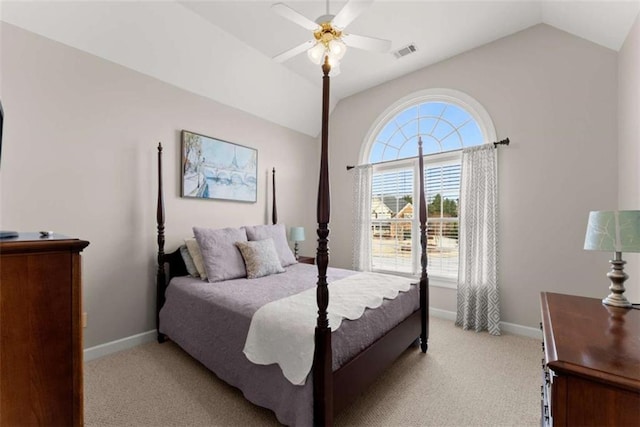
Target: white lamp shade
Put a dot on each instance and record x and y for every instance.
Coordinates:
(296, 234)
(334, 62)
(337, 48)
(316, 53)
(613, 231)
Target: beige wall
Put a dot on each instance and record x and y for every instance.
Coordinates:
(79, 158)
(629, 143)
(555, 96)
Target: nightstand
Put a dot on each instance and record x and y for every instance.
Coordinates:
(306, 259)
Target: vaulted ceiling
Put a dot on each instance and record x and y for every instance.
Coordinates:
(224, 49)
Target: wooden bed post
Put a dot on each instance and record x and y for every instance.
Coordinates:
(274, 210)
(322, 357)
(160, 279)
(424, 279)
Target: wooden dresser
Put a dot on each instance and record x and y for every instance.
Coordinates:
(40, 331)
(591, 364)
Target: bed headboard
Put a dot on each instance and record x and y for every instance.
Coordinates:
(172, 265)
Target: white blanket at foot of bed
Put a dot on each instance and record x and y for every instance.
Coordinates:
(282, 331)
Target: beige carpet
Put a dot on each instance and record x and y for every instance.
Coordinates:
(465, 379)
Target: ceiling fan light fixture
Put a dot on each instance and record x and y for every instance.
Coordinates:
(316, 53)
(337, 48)
(333, 60)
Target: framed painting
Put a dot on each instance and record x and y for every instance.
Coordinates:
(217, 169)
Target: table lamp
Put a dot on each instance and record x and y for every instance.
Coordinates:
(617, 232)
(296, 235)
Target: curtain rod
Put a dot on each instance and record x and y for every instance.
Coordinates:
(495, 145)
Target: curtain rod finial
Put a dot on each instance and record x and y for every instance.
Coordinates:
(502, 142)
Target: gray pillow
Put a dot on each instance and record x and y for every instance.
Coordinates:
(260, 258)
(188, 261)
(196, 256)
(222, 259)
(278, 233)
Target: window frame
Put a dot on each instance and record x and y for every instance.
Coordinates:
(450, 96)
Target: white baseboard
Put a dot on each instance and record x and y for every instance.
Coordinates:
(119, 345)
(510, 328)
(442, 314)
(525, 331)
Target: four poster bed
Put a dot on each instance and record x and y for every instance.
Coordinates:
(211, 321)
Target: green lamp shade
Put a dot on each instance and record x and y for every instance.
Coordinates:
(296, 234)
(613, 231)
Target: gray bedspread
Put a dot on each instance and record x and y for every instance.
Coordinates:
(210, 321)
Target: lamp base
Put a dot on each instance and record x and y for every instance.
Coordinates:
(617, 301)
(617, 276)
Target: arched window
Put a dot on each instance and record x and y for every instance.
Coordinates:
(447, 121)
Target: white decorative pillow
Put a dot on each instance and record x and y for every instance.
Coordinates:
(278, 233)
(260, 258)
(196, 255)
(188, 261)
(221, 257)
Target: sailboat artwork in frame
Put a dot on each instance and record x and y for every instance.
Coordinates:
(217, 169)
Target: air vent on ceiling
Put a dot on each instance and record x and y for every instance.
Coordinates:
(410, 48)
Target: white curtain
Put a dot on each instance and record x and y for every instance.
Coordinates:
(362, 217)
(478, 298)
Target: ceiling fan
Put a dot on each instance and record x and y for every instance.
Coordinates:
(329, 39)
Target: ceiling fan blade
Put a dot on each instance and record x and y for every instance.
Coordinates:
(286, 12)
(367, 43)
(349, 12)
(294, 51)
